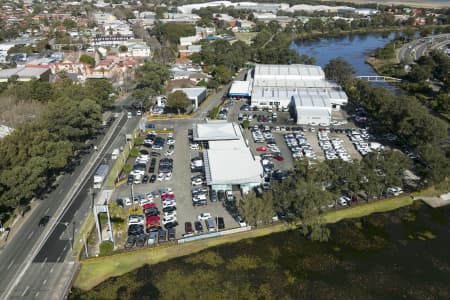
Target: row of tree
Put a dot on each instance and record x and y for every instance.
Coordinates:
(404, 116)
(304, 196)
(35, 152)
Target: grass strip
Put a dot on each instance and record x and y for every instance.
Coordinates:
(96, 270)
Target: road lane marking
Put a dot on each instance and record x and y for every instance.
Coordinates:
(51, 271)
(37, 294)
(45, 260)
(30, 235)
(26, 290)
(47, 210)
(44, 282)
(10, 264)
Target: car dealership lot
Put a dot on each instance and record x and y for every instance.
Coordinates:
(180, 184)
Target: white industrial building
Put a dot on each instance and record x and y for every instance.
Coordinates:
(280, 86)
(228, 160)
(196, 95)
(312, 109)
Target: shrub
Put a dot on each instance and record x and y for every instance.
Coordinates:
(106, 248)
(134, 152)
(126, 168)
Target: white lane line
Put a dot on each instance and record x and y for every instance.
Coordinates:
(51, 271)
(37, 294)
(44, 282)
(30, 235)
(25, 291)
(59, 257)
(10, 264)
(45, 260)
(47, 210)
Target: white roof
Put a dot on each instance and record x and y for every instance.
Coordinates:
(283, 93)
(240, 88)
(312, 101)
(275, 82)
(298, 70)
(5, 130)
(235, 166)
(192, 92)
(23, 72)
(216, 130)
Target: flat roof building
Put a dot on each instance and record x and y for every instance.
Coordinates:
(312, 109)
(25, 73)
(228, 160)
(196, 95)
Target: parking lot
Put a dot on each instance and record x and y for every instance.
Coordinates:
(179, 184)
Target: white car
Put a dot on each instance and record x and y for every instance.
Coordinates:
(149, 197)
(168, 176)
(204, 216)
(169, 204)
(169, 214)
(197, 181)
(396, 190)
(160, 177)
(170, 141)
(169, 152)
(166, 220)
(127, 201)
(193, 146)
(240, 221)
(344, 200)
(157, 147)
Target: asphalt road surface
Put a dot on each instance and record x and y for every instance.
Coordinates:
(417, 48)
(50, 273)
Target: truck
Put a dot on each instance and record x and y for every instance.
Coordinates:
(115, 154)
(100, 176)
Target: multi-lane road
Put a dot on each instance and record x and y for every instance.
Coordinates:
(419, 47)
(37, 262)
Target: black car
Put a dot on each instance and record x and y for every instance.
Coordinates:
(154, 229)
(152, 178)
(135, 229)
(120, 202)
(171, 225)
(145, 179)
(199, 202)
(44, 221)
(152, 211)
(162, 237)
(141, 240)
(155, 154)
(171, 147)
(130, 242)
(198, 226)
(151, 169)
(143, 151)
(169, 209)
(130, 179)
(220, 223)
(171, 234)
(221, 195)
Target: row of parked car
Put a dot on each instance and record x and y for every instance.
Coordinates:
(299, 145)
(360, 140)
(332, 148)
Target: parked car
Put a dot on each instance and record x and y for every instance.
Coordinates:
(152, 178)
(141, 240)
(188, 228)
(172, 234)
(152, 238)
(198, 226)
(204, 216)
(162, 236)
(130, 242)
(220, 223)
(210, 224)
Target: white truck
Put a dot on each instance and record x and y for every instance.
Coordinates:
(100, 176)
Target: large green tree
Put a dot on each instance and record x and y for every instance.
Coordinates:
(178, 100)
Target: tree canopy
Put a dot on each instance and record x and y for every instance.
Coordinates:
(178, 100)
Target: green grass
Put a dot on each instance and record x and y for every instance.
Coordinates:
(96, 270)
(84, 233)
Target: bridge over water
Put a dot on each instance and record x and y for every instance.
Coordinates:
(379, 78)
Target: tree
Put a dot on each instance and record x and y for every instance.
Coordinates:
(256, 210)
(340, 70)
(87, 59)
(178, 100)
(222, 74)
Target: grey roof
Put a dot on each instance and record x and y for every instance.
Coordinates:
(192, 92)
(23, 72)
(316, 101)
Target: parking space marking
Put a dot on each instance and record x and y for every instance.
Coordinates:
(30, 235)
(10, 264)
(25, 291)
(45, 281)
(51, 271)
(47, 210)
(37, 294)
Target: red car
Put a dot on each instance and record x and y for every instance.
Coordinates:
(167, 196)
(153, 220)
(149, 205)
(188, 228)
(261, 149)
(279, 158)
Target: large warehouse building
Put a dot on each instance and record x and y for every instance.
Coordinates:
(228, 160)
(279, 86)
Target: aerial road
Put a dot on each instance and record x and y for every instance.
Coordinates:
(37, 262)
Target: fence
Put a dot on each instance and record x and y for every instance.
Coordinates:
(213, 234)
